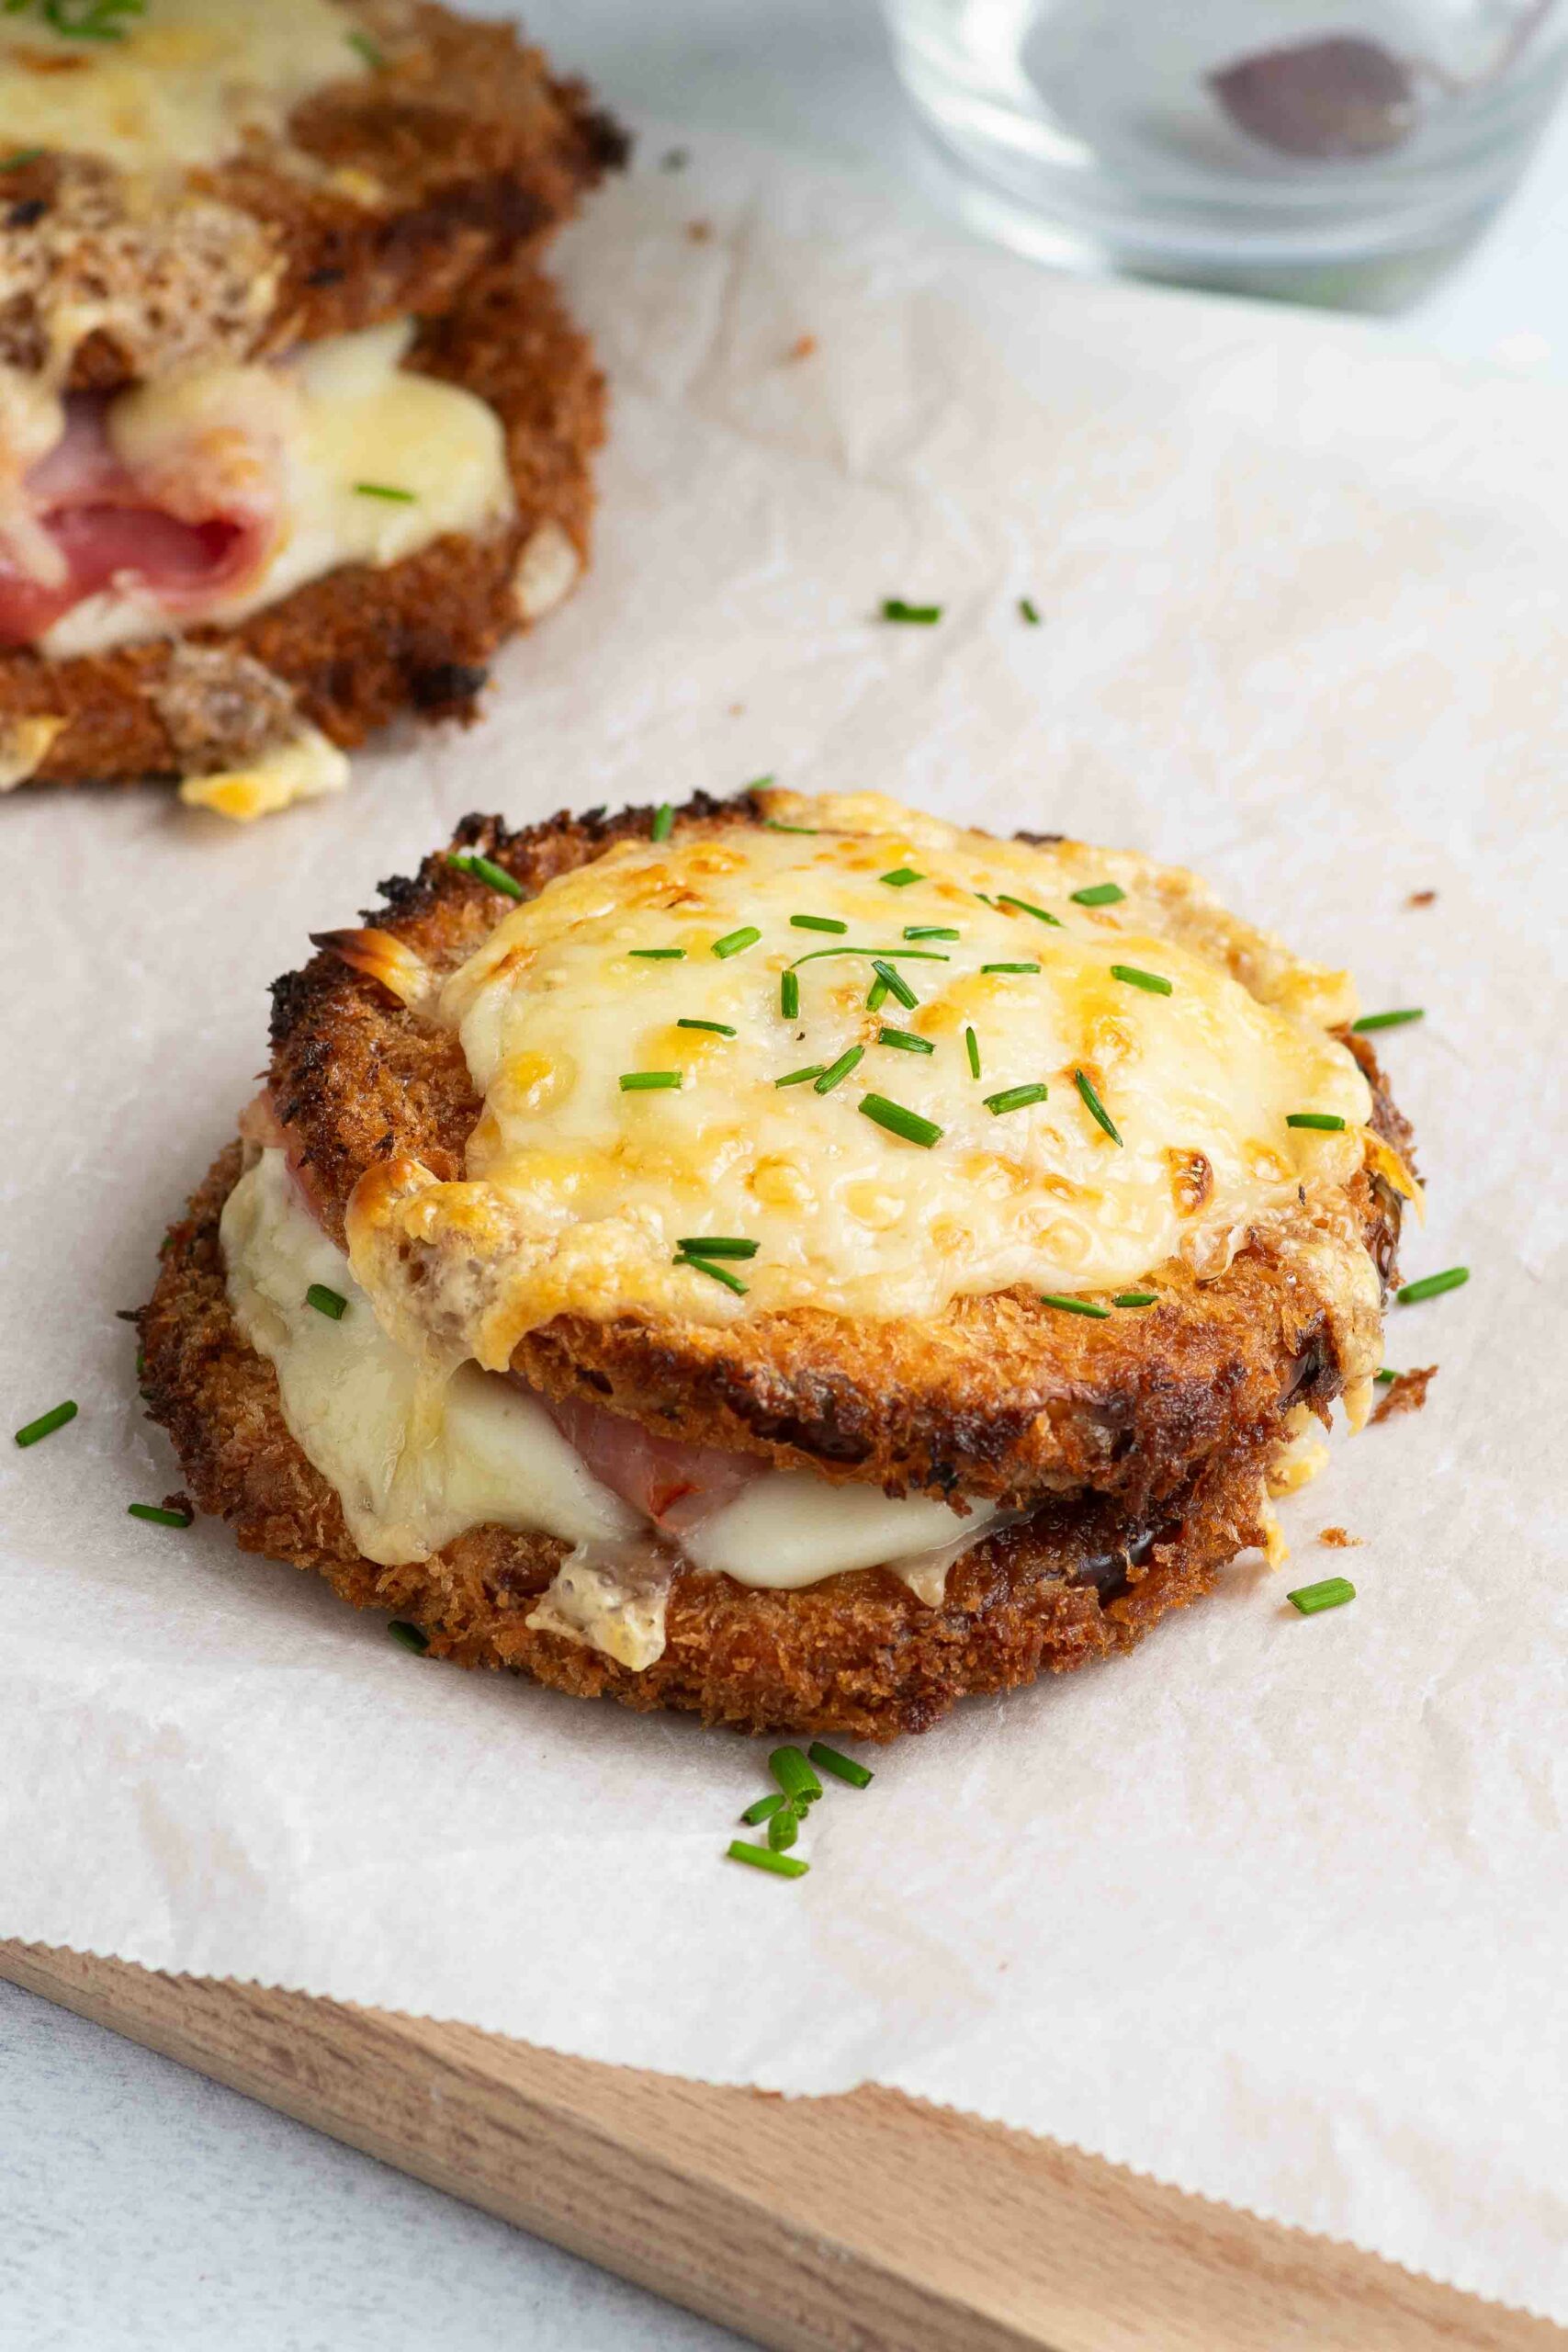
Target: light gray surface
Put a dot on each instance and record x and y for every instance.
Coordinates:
(142, 2207)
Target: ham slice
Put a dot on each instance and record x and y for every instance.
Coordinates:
(109, 528)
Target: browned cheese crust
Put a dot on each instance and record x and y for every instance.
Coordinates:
(360, 645)
(385, 191)
(857, 1654)
(997, 1396)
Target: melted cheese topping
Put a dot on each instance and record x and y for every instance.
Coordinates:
(578, 1192)
(416, 1459)
(304, 768)
(185, 82)
(301, 442)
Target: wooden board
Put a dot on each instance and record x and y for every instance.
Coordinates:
(863, 2223)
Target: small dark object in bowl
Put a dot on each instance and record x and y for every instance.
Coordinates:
(1330, 100)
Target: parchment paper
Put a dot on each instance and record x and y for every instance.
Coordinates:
(1272, 1909)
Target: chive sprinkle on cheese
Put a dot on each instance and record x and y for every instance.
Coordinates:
(899, 1120)
(388, 490)
(1016, 1098)
(658, 954)
(1326, 1122)
(905, 1041)
(971, 1048)
(837, 1071)
(1026, 907)
(894, 983)
(1100, 893)
(329, 1303)
(817, 923)
(789, 995)
(931, 931)
(648, 1082)
(1094, 1106)
(1153, 983)
(799, 1077)
(734, 942)
(717, 1245)
(711, 1267)
(899, 878)
(717, 1028)
(1009, 967)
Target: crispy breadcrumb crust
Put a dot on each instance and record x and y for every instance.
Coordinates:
(384, 191)
(361, 644)
(857, 1654)
(997, 1396)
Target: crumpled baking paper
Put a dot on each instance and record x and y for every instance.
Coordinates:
(1272, 1909)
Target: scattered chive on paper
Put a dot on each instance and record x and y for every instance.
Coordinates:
(763, 1809)
(331, 1302)
(899, 1121)
(931, 931)
(905, 1041)
(1009, 967)
(762, 1858)
(1332, 1593)
(795, 1775)
(842, 1768)
(897, 987)
(789, 996)
(899, 878)
(47, 1423)
(711, 1267)
(837, 1071)
(1099, 894)
(799, 1077)
(1135, 1298)
(658, 954)
(1026, 607)
(1326, 1122)
(485, 869)
(1095, 1107)
(1016, 1098)
(1025, 906)
(734, 942)
(784, 1828)
(408, 1637)
(1074, 1306)
(894, 608)
(664, 823)
(717, 1245)
(971, 1048)
(817, 923)
(1388, 1020)
(158, 1516)
(648, 1082)
(1433, 1286)
(717, 1028)
(1155, 982)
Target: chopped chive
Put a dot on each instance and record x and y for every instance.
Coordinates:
(799, 1077)
(648, 1082)
(842, 1768)
(838, 1070)
(1433, 1286)
(894, 608)
(23, 155)
(720, 1273)
(1332, 1593)
(734, 942)
(760, 1859)
(1153, 981)
(904, 955)
(658, 954)
(900, 878)
(1389, 1019)
(763, 1809)
(795, 1775)
(158, 1515)
(331, 1302)
(897, 987)
(408, 1637)
(1385, 1375)
(899, 1120)
(777, 825)
(47, 1423)
(1136, 1298)
(1026, 908)
(368, 50)
(1095, 1107)
(1099, 894)
(393, 496)
(485, 869)
(1016, 1098)
(1327, 1122)
(664, 823)
(1074, 1306)
(931, 931)
(789, 995)
(877, 995)
(817, 923)
(720, 1245)
(1009, 967)
(1026, 606)
(718, 1028)
(784, 1828)
(760, 784)
(906, 1041)
(971, 1048)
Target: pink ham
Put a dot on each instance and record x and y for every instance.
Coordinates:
(106, 530)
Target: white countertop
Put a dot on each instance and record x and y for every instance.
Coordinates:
(141, 2206)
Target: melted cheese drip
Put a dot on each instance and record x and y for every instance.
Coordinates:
(185, 83)
(416, 1462)
(343, 414)
(304, 768)
(578, 1193)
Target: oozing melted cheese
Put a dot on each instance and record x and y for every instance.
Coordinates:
(417, 1460)
(185, 82)
(301, 440)
(306, 767)
(578, 1192)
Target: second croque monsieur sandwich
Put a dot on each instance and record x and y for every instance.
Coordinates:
(791, 1259)
(293, 430)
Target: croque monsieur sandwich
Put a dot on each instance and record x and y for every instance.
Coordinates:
(292, 429)
(792, 1259)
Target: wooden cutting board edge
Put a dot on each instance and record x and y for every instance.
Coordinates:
(867, 2223)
